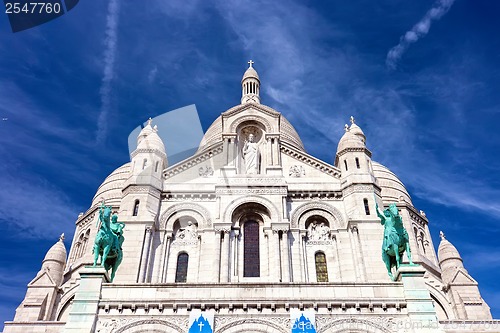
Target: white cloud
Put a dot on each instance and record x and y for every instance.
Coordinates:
(109, 62)
(419, 30)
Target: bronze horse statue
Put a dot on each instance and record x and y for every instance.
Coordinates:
(108, 241)
(396, 240)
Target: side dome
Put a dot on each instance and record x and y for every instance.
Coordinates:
(392, 188)
(447, 251)
(111, 187)
(57, 252)
(349, 140)
(152, 141)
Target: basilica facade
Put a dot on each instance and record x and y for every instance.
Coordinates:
(252, 230)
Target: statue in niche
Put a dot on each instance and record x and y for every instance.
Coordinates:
(318, 231)
(188, 233)
(251, 155)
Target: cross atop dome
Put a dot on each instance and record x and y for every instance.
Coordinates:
(250, 85)
(352, 120)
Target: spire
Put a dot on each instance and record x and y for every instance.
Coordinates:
(250, 85)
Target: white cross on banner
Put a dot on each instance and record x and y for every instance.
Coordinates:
(201, 321)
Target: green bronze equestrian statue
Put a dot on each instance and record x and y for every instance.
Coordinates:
(108, 241)
(396, 239)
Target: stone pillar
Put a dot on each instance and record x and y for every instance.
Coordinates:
(236, 256)
(304, 257)
(145, 256)
(359, 253)
(224, 254)
(336, 263)
(277, 259)
(352, 236)
(83, 314)
(419, 302)
(285, 251)
(217, 257)
(166, 254)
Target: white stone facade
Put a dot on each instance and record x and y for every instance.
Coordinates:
(294, 233)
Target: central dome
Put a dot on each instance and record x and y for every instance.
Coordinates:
(288, 134)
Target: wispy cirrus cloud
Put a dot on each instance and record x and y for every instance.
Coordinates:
(111, 40)
(419, 30)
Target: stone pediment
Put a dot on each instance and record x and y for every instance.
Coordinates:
(243, 107)
(305, 160)
(200, 160)
(43, 279)
(462, 278)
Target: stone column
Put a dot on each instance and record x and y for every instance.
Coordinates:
(285, 263)
(277, 257)
(336, 263)
(303, 241)
(166, 254)
(83, 314)
(352, 231)
(419, 302)
(217, 257)
(359, 252)
(224, 254)
(236, 256)
(145, 255)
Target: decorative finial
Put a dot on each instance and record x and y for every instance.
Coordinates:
(150, 121)
(441, 234)
(251, 62)
(155, 128)
(352, 120)
(346, 128)
(61, 238)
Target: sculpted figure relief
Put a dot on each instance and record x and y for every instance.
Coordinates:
(318, 231)
(188, 233)
(251, 155)
(396, 239)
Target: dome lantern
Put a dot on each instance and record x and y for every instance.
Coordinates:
(250, 85)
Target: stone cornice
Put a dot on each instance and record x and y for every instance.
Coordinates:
(354, 149)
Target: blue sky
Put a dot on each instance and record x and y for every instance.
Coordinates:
(420, 77)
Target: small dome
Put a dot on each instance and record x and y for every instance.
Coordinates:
(392, 188)
(350, 140)
(250, 73)
(111, 187)
(152, 141)
(57, 253)
(356, 130)
(147, 130)
(55, 261)
(447, 251)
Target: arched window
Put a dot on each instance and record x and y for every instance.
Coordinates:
(182, 267)
(144, 163)
(156, 166)
(345, 163)
(321, 270)
(136, 208)
(367, 208)
(357, 162)
(251, 249)
(422, 241)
